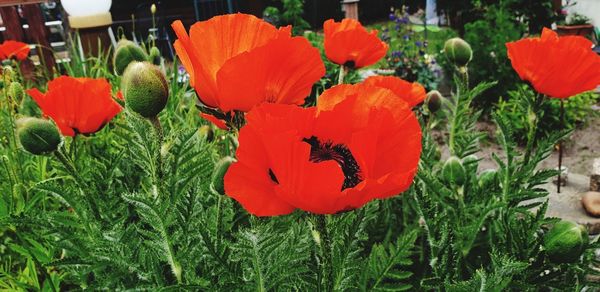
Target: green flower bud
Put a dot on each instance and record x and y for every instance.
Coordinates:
(145, 89)
(15, 90)
(434, 101)
(8, 72)
(207, 133)
(565, 242)
(38, 136)
(488, 179)
(219, 174)
(154, 56)
(458, 52)
(127, 52)
(453, 171)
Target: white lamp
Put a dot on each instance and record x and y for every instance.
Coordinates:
(88, 13)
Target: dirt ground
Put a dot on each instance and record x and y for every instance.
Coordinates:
(580, 149)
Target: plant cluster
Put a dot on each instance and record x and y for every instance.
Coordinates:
(268, 190)
(409, 56)
(291, 15)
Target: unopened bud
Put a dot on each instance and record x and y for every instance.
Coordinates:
(458, 52)
(127, 52)
(218, 176)
(434, 101)
(145, 89)
(38, 136)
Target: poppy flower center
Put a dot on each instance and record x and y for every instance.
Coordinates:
(324, 151)
(350, 64)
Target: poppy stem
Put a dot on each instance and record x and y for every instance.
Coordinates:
(342, 75)
(324, 257)
(70, 167)
(160, 135)
(560, 147)
(533, 120)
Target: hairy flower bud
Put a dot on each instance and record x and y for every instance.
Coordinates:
(145, 89)
(565, 242)
(15, 90)
(488, 179)
(434, 101)
(454, 172)
(127, 52)
(38, 136)
(219, 174)
(458, 52)
(154, 56)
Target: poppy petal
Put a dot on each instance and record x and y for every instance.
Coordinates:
(283, 71)
(559, 67)
(348, 41)
(412, 93)
(217, 122)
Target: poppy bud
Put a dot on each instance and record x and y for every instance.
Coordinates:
(488, 178)
(453, 171)
(127, 52)
(434, 101)
(458, 51)
(15, 90)
(8, 72)
(145, 89)
(154, 56)
(38, 136)
(219, 174)
(565, 242)
(207, 133)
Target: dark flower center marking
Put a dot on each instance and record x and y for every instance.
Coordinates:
(273, 177)
(350, 64)
(323, 151)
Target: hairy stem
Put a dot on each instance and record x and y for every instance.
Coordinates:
(342, 75)
(160, 134)
(560, 147)
(70, 167)
(533, 125)
(324, 257)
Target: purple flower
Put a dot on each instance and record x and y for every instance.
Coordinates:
(393, 16)
(406, 37)
(418, 44)
(396, 54)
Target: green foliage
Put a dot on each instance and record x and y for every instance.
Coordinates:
(578, 111)
(534, 14)
(134, 207)
(410, 55)
(291, 15)
(488, 38)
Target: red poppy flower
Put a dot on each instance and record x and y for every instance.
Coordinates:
(358, 144)
(77, 105)
(349, 43)
(412, 93)
(559, 67)
(13, 49)
(216, 121)
(237, 61)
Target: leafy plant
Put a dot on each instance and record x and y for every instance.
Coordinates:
(291, 15)
(490, 61)
(578, 111)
